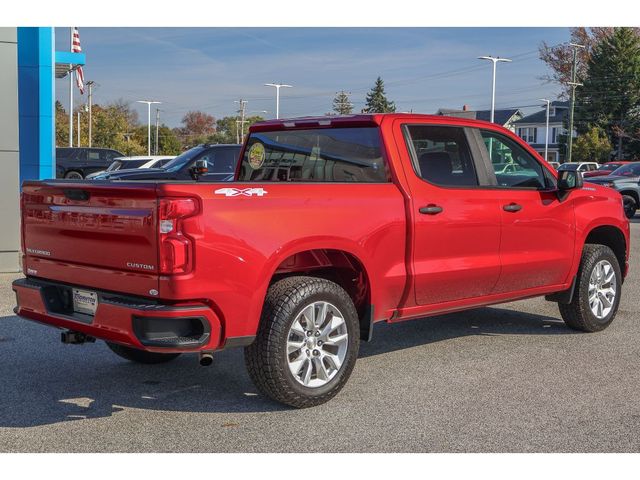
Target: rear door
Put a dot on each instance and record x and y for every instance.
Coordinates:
(96, 235)
(456, 226)
(538, 229)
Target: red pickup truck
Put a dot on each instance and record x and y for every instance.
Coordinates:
(333, 224)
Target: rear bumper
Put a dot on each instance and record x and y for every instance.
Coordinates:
(131, 321)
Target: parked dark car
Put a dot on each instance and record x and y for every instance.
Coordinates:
(625, 180)
(605, 169)
(215, 163)
(78, 162)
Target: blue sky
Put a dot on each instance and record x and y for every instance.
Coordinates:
(208, 68)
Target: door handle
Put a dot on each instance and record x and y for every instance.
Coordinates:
(431, 209)
(512, 207)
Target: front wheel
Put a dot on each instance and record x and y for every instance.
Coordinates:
(307, 342)
(597, 291)
(141, 356)
(630, 206)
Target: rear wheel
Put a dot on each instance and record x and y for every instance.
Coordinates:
(73, 175)
(597, 291)
(307, 343)
(630, 206)
(141, 356)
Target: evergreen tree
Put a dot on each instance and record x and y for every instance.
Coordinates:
(610, 96)
(341, 103)
(377, 101)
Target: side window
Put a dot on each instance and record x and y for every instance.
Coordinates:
(513, 165)
(441, 155)
(225, 161)
(94, 155)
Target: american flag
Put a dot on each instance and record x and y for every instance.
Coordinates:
(76, 48)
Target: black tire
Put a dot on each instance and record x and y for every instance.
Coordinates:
(73, 175)
(630, 206)
(578, 314)
(266, 359)
(140, 356)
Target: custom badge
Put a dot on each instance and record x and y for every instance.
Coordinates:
(256, 155)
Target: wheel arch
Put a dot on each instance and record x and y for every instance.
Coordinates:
(337, 264)
(612, 237)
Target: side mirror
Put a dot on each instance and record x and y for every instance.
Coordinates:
(200, 167)
(569, 180)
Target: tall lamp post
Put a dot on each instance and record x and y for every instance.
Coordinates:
(493, 60)
(149, 103)
(277, 86)
(546, 135)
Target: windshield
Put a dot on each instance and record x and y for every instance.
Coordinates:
(631, 169)
(134, 163)
(608, 166)
(183, 159)
(568, 166)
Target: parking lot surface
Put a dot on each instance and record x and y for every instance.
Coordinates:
(510, 378)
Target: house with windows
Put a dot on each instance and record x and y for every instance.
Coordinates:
(505, 117)
(532, 129)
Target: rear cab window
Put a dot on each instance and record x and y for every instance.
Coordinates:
(441, 155)
(346, 154)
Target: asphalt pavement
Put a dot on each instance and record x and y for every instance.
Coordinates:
(510, 378)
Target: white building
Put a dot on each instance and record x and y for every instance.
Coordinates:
(532, 129)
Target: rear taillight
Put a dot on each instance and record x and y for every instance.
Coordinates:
(175, 246)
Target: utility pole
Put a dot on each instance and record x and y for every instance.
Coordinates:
(157, 128)
(573, 85)
(278, 86)
(90, 84)
(241, 111)
(546, 135)
(148, 102)
(493, 60)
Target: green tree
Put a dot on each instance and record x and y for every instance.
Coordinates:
(228, 129)
(592, 146)
(610, 96)
(168, 141)
(116, 126)
(62, 125)
(377, 101)
(341, 103)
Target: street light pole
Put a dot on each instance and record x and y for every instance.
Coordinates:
(494, 60)
(78, 142)
(148, 102)
(278, 86)
(573, 85)
(157, 129)
(90, 84)
(546, 135)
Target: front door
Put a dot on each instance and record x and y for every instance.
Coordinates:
(538, 229)
(456, 224)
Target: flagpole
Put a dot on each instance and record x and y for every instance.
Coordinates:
(71, 92)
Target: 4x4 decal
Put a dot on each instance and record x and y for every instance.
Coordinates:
(247, 192)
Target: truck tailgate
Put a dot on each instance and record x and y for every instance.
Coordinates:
(93, 234)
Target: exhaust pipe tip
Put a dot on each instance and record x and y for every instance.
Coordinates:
(206, 359)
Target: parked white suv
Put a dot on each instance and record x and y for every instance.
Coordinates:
(579, 166)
